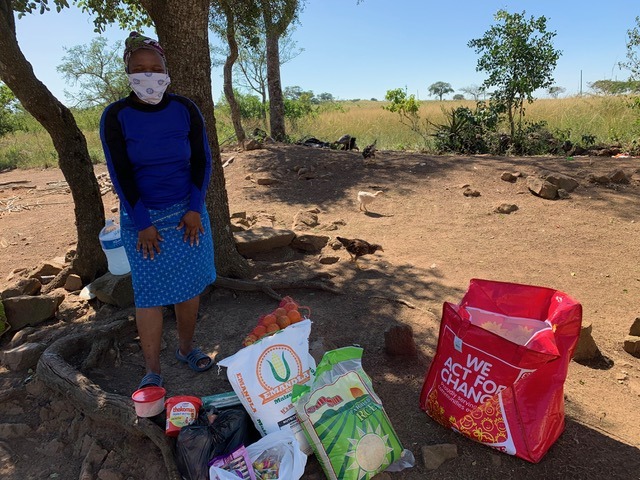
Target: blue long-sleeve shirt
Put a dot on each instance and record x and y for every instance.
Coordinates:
(157, 155)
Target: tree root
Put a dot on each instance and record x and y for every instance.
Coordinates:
(57, 374)
(58, 281)
(270, 286)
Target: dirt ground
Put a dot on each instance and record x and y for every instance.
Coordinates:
(435, 240)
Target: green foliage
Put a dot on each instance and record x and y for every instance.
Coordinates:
(519, 57)
(615, 87)
(633, 46)
(294, 110)
(468, 131)
(407, 108)
(555, 91)
(439, 89)
(9, 107)
(97, 70)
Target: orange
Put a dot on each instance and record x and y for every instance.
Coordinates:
(272, 327)
(269, 320)
(290, 306)
(283, 321)
(294, 316)
(259, 331)
(280, 312)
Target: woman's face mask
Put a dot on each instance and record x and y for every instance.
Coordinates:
(149, 86)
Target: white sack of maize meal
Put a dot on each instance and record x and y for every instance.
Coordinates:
(264, 373)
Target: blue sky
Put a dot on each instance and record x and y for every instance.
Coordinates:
(361, 51)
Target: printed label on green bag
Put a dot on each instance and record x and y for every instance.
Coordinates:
(352, 428)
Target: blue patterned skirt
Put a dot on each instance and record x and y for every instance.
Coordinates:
(180, 271)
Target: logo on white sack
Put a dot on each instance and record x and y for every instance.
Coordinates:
(471, 380)
(278, 369)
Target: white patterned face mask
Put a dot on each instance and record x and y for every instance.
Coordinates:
(148, 86)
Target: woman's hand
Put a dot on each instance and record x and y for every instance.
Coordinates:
(192, 225)
(149, 241)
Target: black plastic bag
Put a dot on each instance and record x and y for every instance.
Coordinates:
(201, 441)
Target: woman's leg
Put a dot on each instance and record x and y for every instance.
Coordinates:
(186, 316)
(149, 323)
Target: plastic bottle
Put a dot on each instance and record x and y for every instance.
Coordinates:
(114, 250)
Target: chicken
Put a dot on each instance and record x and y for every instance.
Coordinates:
(357, 248)
(365, 198)
(370, 150)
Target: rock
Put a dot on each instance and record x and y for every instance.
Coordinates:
(635, 328)
(563, 194)
(599, 179)
(109, 474)
(304, 220)
(542, 188)
(22, 357)
(508, 177)
(435, 455)
(72, 308)
(586, 348)
(309, 242)
(24, 286)
(632, 345)
(252, 145)
(328, 259)
(73, 283)
(266, 180)
(45, 269)
(398, 340)
(471, 193)
(562, 181)
(239, 215)
(53, 448)
(262, 239)
(14, 430)
(21, 336)
(335, 244)
(618, 176)
(114, 289)
(506, 208)
(25, 310)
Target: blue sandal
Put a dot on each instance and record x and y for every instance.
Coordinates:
(151, 380)
(193, 358)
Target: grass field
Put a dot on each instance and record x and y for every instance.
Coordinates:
(608, 119)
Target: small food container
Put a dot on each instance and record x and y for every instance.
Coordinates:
(149, 401)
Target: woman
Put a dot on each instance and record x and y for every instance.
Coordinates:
(159, 161)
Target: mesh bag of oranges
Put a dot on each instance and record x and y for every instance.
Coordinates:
(287, 313)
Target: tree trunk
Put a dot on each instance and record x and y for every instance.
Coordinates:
(70, 144)
(183, 29)
(276, 101)
(228, 76)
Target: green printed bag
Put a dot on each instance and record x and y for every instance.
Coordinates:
(343, 418)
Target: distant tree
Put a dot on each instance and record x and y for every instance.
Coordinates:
(555, 91)
(277, 16)
(633, 50)
(97, 71)
(296, 92)
(519, 56)
(458, 96)
(325, 97)
(252, 65)
(232, 20)
(474, 90)
(615, 87)
(374, 99)
(439, 89)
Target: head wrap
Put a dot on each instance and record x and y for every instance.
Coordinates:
(135, 41)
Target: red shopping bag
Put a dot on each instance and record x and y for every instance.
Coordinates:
(501, 362)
